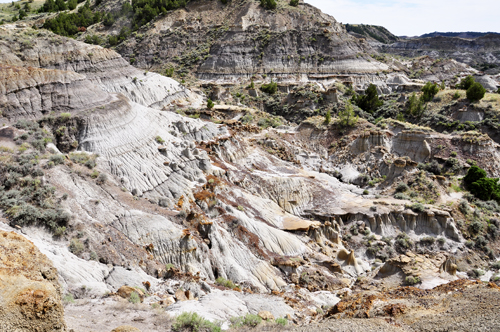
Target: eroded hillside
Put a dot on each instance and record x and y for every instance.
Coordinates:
(272, 203)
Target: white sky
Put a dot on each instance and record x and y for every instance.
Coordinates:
(416, 17)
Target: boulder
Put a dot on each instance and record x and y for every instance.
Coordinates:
(265, 315)
(180, 295)
(169, 301)
(126, 291)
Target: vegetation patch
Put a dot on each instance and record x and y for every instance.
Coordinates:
(191, 321)
(247, 320)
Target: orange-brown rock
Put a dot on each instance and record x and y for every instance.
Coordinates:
(126, 291)
(30, 294)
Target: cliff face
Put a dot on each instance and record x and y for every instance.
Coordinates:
(474, 52)
(373, 32)
(242, 38)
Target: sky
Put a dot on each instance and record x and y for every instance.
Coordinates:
(416, 17)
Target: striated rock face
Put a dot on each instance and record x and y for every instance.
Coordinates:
(30, 295)
(242, 39)
(29, 92)
(482, 50)
(127, 136)
(103, 67)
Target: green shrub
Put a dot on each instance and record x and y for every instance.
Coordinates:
(466, 83)
(403, 241)
(400, 196)
(328, 117)
(72, 4)
(281, 321)
(429, 91)
(268, 4)
(57, 159)
(482, 187)
(481, 242)
(210, 104)
(93, 39)
(373, 250)
(101, 179)
(269, 122)
(475, 173)
(476, 92)
(270, 88)
(412, 280)
(368, 102)
(68, 24)
(247, 118)
(387, 239)
(192, 321)
(475, 273)
(415, 105)
(347, 118)
(53, 6)
(247, 320)
(418, 207)
(59, 231)
(68, 298)
(294, 3)
(76, 246)
(83, 158)
(486, 189)
(428, 240)
(456, 95)
(401, 187)
(134, 298)
(159, 140)
(225, 283)
(476, 227)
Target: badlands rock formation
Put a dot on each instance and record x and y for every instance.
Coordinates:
(481, 50)
(225, 212)
(242, 38)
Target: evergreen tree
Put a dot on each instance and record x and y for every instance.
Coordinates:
(72, 4)
(429, 91)
(270, 88)
(268, 4)
(210, 104)
(475, 92)
(415, 107)
(347, 118)
(61, 5)
(368, 102)
(328, 117)
(466, 83)
(22, 14)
